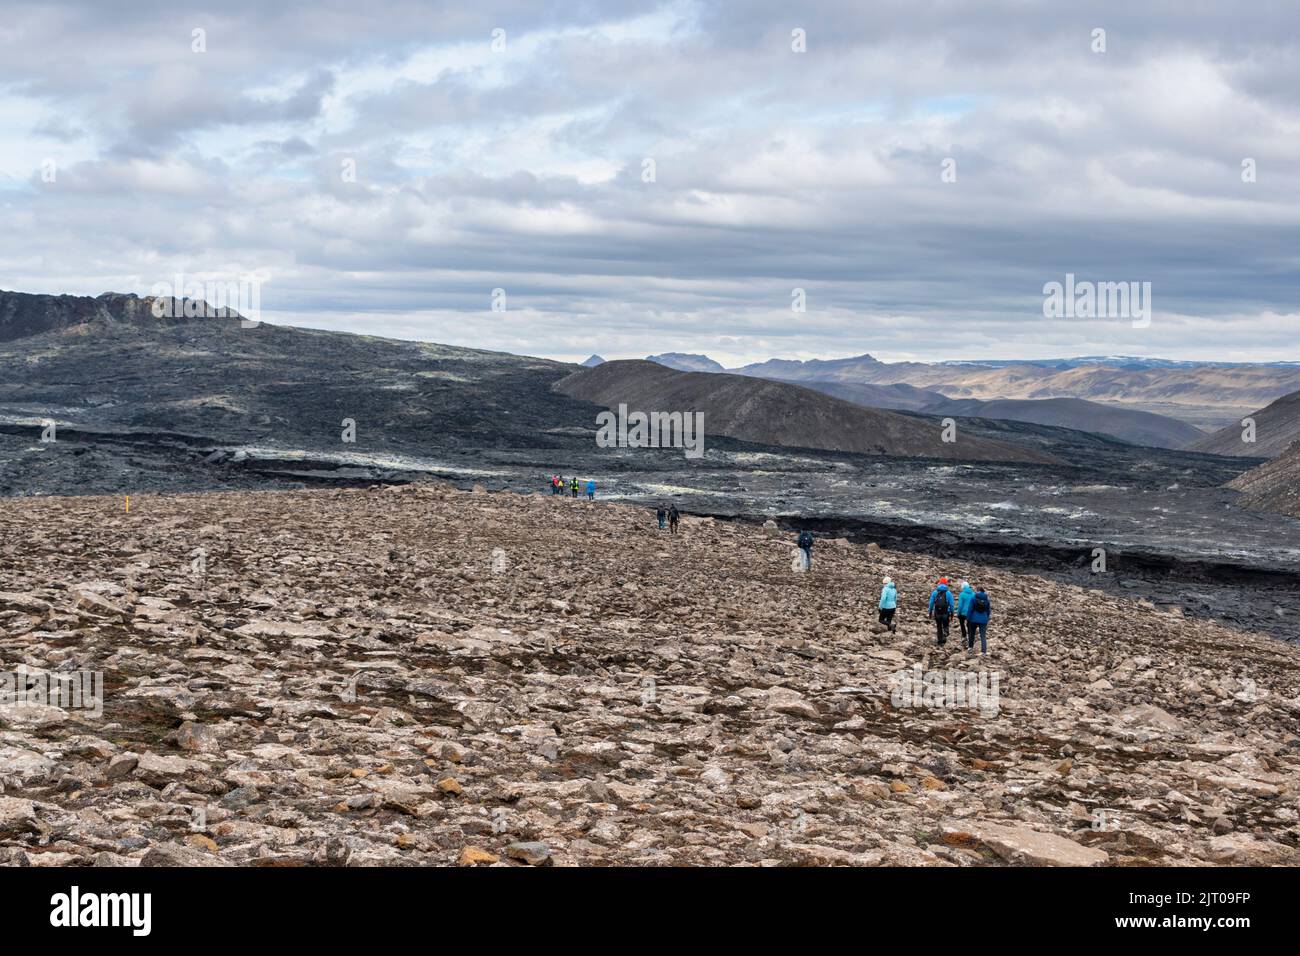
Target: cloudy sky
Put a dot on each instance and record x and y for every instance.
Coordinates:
(510, 146)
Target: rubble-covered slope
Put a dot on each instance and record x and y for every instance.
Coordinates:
(1276, 428)
(1273, 485)
(420, 675)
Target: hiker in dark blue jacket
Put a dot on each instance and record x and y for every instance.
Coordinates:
(941, 608)
(978, 617)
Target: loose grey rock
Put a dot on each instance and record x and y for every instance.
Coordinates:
(532, 853)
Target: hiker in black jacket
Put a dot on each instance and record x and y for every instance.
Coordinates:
(805, 543)
(673, 518)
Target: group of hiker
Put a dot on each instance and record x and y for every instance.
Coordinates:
(668, 517)
(558, 486)
(971, 605)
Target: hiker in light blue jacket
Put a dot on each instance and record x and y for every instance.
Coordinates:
(964, 594)
(888, 604)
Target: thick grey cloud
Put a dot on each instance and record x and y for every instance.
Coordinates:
(387, 168)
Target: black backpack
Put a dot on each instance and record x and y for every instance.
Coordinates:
(805, 540)
(980, 602)
(942, 603)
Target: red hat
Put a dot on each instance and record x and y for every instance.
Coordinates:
(943, 580)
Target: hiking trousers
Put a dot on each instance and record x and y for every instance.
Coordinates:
(984, 630)
(941, 629)
(887, 617)
(961, 622)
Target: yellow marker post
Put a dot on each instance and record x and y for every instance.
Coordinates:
(128, 504)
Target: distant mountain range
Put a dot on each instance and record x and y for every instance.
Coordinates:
(899, 396)
(851, 369)
(1121, 361)
(685, 362)
(110, 373)
(1128, 424)
(144, 403)
(1207, 395)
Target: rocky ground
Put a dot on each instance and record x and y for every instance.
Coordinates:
(418, 675)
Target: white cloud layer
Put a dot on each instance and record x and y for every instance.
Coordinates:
(521, 168)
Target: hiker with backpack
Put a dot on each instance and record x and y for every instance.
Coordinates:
(574, 487)
(805, 543)
(981, 609)
(673, 518)
(941, 608)
(591, 489)
(964, 593)
(662, 515)
(888, 604)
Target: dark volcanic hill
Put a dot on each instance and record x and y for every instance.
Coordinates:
(1276, 427)
(1274, 485)
(108, 362)
(133, 395)
(23, 315)
(776, 413)
(1128, 424)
